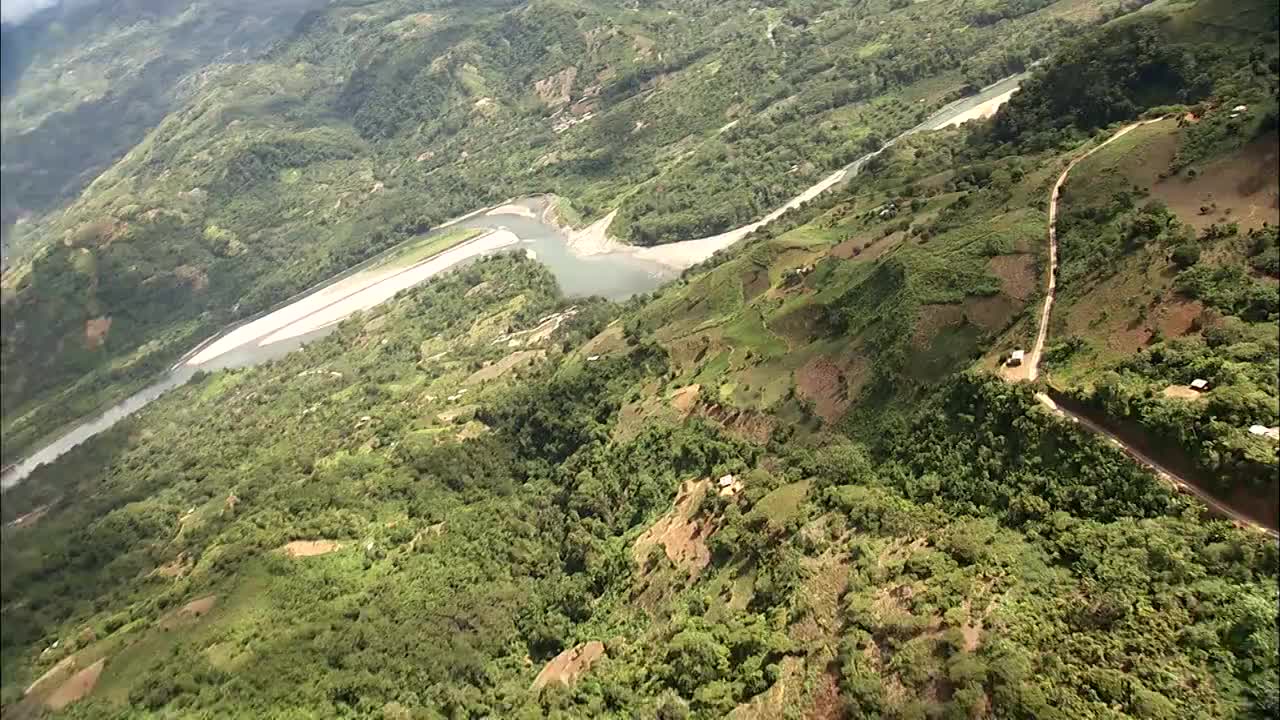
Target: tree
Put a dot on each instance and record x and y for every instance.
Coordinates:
(1185, 254)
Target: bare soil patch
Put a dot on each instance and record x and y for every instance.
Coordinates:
(609, 340)
(555, 89)
(569, 665)
(990, 313)
(932, 319)
(972, 633)
(683, 538)
(178, 567)
(687, 352)
(847, 248)
(77, 687)
(1241, 188)
(95, 331)
(828, 578)
(1016, 373)
(1181, 392)
(1177, 317)
(754, 282)
(827, 704)
(684, 399)
(822, 382)
(54, 676)
(797, 327)
(309, 548)
(191, 611)
(746, 424)
(890, 601)
(1017, 274)
(462, 413)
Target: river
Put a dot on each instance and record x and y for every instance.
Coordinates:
(520, 224)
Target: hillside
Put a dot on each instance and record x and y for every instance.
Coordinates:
(86, 80)
(794, 482)
(522, 519)
(375, 121)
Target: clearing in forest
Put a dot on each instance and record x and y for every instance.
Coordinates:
(685, 398)
(77, 687)
(522, 358)
(569, 665)
(54, 675)
(309, 548)
(1182, 392)
(682, 536)
(192, 610)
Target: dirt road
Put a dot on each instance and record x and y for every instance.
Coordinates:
(1036, 350)
(1153, 465)
(1034, 361)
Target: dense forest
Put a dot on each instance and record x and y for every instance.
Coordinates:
(799, 480)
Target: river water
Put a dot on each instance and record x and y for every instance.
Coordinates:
(614, 275)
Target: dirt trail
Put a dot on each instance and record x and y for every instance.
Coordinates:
(1033, 362)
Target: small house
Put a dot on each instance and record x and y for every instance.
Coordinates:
(729, 486)
(1265, 432)
(1239, 108)
(1015, 358)
(1200, 384)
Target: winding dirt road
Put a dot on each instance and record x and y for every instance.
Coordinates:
(1042, 333)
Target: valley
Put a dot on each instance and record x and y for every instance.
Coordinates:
(585, 359)
(616, 274)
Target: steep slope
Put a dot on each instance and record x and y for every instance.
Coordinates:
(86, 80)
(505, 527)
(779, 486)
(1166, 244)
(974, 556)
(376, 121)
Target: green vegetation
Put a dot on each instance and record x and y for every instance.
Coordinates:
(447, 506)
(374, 121)
(1160, 285)
(416, 251)
(76, 107)
(1182, 52)
(509, 537)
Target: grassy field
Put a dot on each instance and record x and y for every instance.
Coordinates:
(426, 246)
